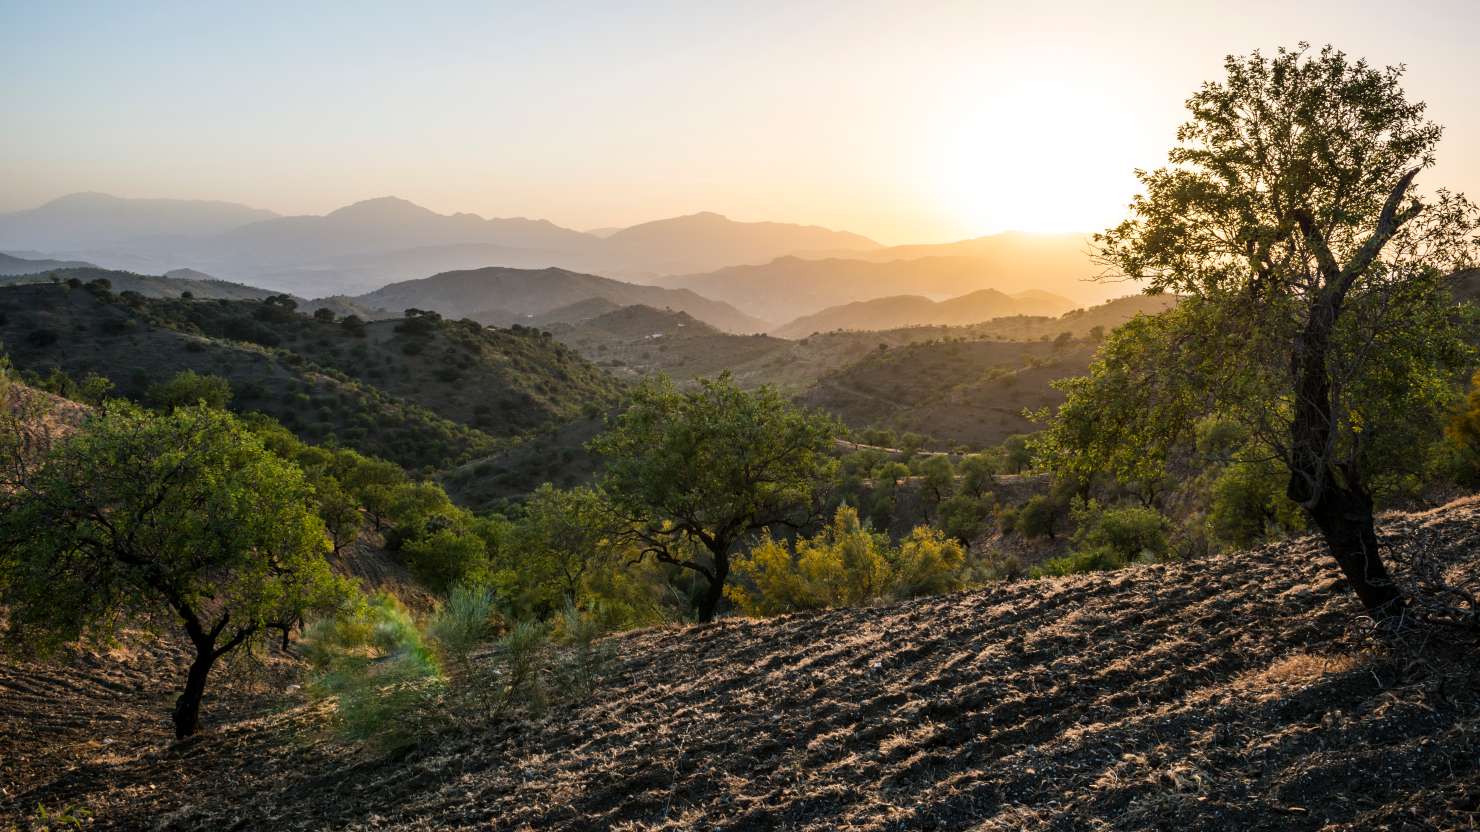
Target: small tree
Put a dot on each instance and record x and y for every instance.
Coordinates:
(709, 467)
(187, 388)
(182, 520)
(557, 542)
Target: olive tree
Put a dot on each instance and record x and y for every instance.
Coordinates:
(693, 473)
(1314, 307)
(181, 521)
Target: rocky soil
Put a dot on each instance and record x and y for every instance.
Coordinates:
(1238, 693)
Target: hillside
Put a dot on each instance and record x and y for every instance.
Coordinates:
(913, 310)
(790, 287)
(705, 241)
(956, 392)
(1228, 693)
(428, 399)
(171, 285)
(686, 352)
(19, 265)
(503, 296)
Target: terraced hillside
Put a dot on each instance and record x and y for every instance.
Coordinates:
(1231, 693)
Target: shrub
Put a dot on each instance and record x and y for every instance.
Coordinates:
(187, 388)
(846, 564)
(927, 563)
(1037, 517)
(372, 660)
(1109, 538)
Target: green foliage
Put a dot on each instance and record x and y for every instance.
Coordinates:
(846, 564)
(396, 681)
(1247, 505)
(964, 517)
(977, 471)
(1017, 454)
(708, 466)
(1109, 538)
(561, 537)
(926, 563)
(184, 519)
(1315, 309)
(1038, 517)
(187, 388)
(940, 477)
(374, 662)
(69, 816)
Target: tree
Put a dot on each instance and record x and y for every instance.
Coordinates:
(181, 520)
(708, 467)
(353, 325)
(558, 540)
(324, 315)
(1016, 453)
(940, 477)
(187, 388)
(1038, 517)
(1315, 309)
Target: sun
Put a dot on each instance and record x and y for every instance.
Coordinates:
(1035, 155)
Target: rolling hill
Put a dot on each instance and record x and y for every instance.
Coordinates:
(370, 243)
(1225, 693)
(172, 285)
(429, 396)
(956, 392)
(625, 342)
(913, 310)
(706, 241)
(790, 287)
(504, 296)
(10, 265)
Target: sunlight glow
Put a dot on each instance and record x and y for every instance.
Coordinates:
(1035, 155)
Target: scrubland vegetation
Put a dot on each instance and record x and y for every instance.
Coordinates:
(315, 495)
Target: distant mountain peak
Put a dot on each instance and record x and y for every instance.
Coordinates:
(382, 207)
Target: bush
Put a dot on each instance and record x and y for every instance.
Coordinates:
(187, 388)
(1037, 517)
(1109, 538)
(372, 660)
(845, 564)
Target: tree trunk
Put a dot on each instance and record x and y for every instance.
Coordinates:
(716, 589)
(1345, 521)
(187, 707)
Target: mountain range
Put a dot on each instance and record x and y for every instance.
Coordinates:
(914, 310)
(503, 296)
(368, 244)
(795, 285)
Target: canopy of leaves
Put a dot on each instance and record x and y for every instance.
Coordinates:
(712, 463)
(141, 517)
(1288, 218)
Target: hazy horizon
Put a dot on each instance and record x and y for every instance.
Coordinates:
(926, 124)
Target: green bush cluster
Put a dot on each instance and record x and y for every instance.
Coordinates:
(845, 564)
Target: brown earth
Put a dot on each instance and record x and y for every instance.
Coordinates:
(1235, 692)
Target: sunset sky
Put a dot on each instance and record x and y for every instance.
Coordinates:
(908, 122)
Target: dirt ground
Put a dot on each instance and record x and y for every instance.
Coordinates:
(1232, 693)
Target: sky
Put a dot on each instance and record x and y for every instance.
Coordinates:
(917, 121)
